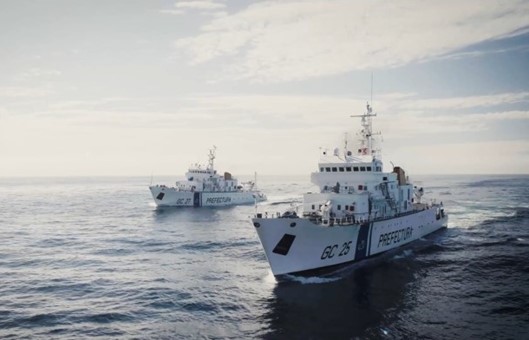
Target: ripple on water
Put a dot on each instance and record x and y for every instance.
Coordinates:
(84, 258)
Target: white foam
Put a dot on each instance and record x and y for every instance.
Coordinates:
(311, 279)
(405, 253)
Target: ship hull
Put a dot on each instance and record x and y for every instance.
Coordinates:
(294, 245)
(170, 197)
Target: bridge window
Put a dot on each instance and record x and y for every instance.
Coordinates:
(334, 169)
(339, 207)
(313, 207)
(355, 168)
(341, 169)
(368, 168)
(328, 169)
(321, 169)
(346, 207)
(362, 168)
(348, 169)
(384, 178)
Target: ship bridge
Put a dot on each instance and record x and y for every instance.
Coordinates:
(349, 177)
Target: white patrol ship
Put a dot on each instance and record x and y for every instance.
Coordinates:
(359, 212)
(203, 187)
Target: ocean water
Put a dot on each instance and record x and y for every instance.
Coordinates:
(94, 258)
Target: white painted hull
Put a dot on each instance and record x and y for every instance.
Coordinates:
(170, 197)
(296, 244)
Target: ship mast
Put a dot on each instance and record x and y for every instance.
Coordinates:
(211, 157)
(366, 145)
(366, 140)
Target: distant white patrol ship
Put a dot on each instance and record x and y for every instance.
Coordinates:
(203, 187)
(359, 212)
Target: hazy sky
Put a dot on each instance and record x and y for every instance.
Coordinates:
(105, 87)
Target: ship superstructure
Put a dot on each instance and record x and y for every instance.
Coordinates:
(203, 186)
(359, 211)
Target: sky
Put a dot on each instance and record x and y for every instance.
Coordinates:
(134, 88)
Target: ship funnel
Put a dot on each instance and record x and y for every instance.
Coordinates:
(401, 175)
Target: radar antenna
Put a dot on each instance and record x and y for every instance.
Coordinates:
(366, 141)
(371, 101)
(366, 145)
(211, 157)
(345, 145)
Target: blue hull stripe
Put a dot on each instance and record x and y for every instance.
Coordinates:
(197, 199)
(362, 243)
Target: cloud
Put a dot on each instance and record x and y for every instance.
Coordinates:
(466, 102)
(201, 5)
(403, 115)
(18, 91)
(218, 112)
(292, 40)
(480, 53)
(35, 73)
(211, 8)
(326, 118)
(413, 125)
(489, 157)
(287, 129)
(172, 11)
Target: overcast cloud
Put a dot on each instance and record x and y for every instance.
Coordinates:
(134, 88)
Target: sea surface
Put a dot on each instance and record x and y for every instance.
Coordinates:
(94, 258)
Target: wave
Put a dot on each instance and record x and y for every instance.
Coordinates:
(520, 214)
(310, 279)
(281, 202)
(435, 187)
(515, 181)
(199, 246)
(284, 201)
(107, 317)
(405, 253)
(243, 244)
